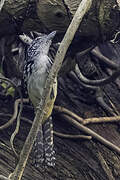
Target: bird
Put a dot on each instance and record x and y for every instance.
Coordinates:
(37, 65)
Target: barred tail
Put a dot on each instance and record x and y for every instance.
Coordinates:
(38, 149)
(48, 142)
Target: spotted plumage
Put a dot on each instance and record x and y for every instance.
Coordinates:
(36, 70)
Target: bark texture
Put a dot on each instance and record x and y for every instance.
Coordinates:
(101, 21)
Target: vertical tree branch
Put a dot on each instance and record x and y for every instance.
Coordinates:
(82, 9)
(1, 4)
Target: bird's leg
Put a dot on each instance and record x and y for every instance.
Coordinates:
(48, 142)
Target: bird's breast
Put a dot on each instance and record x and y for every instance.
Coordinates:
(36, 84)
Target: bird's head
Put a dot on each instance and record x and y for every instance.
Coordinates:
(39, 45)
(45, 41)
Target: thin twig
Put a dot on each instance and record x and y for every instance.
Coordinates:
(69, 136)
(88, 120)
(15, 112)
(15, 104)
(84, 52)
(93, 134)
(68, 112)
(55, 132)
(104, 105)
(17, 126)
(100, 82)
(11, 115)
(98, 94)
(13, 118)
(114, 107)
(106, 168)
(3, 178)
(101, 119)
(96, 52)
(82, 9)
(15, 133)
(112, 104)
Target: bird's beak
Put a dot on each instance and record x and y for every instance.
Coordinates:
(51, 35)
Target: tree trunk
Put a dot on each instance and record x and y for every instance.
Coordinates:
(99, 24)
